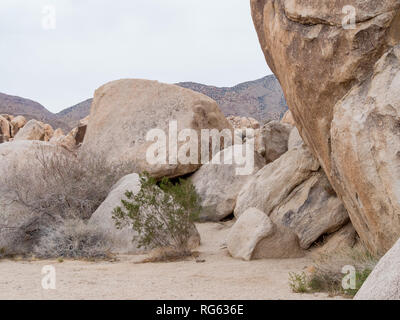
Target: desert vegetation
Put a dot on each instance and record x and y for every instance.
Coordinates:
(162, 215)
(326, 274)
(59, 193)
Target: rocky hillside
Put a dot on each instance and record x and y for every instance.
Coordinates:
(260, 99)
(29, 109)
(73, 114)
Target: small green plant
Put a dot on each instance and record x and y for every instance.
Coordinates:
(162, 214)
(327, 275)
(298, 282)
(322, 282)
(361, 277)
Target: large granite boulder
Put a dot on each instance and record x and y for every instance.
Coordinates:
(311, 210)
(33, 130)
(275, 137)
(17, 123)
(255, 236)
(341, 83)
(218, 185)
(338, 242)
(124, 112)
(270, 186)
(5, 130)
(122, 240)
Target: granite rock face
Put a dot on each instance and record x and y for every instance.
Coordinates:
(124, 112)
(340, 84)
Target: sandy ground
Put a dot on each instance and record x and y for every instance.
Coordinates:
(219, 277)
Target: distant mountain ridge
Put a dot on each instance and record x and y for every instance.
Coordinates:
(30, 110)
(73, 114)
(261, 99)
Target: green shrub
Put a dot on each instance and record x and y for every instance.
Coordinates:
(361, 277)
(298, 282)
(161, 214)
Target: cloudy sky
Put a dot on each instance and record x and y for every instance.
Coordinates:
(60, 60)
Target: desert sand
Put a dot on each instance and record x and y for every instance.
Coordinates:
(219, 277)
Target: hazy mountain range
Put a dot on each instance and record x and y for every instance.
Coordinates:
(261, 99)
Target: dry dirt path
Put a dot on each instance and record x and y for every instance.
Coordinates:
(219, 277)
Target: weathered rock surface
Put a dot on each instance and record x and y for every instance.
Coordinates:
(341, 240)
(271, 185)
(255, 236)
(17, 128)
(247, 232)
(124, 111)
(366, 153)
(384, 281)
(33, 130)
(122, 240)
(282, 244)
(275, 137)
(8, 117)
(318, 63)
(66, 141)
(288, 118)
(58, 133)
(81, 130)
(5, 129)
(17, 123)
(218, 185)
(311, 210)
(295, 139)
(243, 122)
(48, 132)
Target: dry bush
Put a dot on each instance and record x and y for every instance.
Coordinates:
(73, 239)
(327, 275)
(330, 265)
(166, 255)
(66, 187)
(57, 187)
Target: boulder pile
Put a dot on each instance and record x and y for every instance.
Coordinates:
(341, 83)
(17, 128)
(267, 179)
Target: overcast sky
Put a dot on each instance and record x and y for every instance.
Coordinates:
(96, 41)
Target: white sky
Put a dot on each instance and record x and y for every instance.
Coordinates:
(96, 41)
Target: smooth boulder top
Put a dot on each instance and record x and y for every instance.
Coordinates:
(253, 226)
(32, 130)
(255, 236)
(124, 111)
